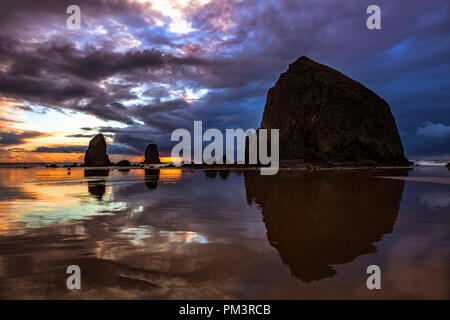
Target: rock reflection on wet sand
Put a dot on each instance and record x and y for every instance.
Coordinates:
(191, 234)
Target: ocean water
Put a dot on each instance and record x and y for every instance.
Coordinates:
(203, 234)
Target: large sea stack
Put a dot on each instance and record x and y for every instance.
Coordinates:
(324, 116)
(96, 153)
(151, 154)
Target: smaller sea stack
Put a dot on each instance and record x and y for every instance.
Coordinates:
(96, 153)
(151, 154)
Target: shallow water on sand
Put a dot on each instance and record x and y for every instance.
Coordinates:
(223, 234)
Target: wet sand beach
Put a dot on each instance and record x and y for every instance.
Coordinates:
(174, 233)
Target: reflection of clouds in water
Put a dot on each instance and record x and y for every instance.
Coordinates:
(193, 204)
(435, 200)
(418, 252)
(38, 196)
(200, 238)
(138, 235)
(186, 237)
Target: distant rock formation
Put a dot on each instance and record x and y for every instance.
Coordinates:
(324, 116)
(448, 165)
(96, 153)
(151, 154)
(123, 163)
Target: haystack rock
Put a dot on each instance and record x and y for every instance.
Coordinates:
(96, 153)
(324, 116)
(151, 154)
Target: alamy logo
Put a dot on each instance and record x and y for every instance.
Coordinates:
(73, 281)
(256, 148)
(374, 280)
(74, 20)
(374, 20)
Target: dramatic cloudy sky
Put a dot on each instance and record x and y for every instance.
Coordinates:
(136, 70)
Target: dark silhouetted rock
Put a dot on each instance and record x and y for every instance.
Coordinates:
(96, 153)
(325, 116)
(123, 163)
(448, 165)
(151, 154)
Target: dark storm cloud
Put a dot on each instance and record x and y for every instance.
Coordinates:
(111, 149)
(61, 149)
(17, 138)
(96, 64)
(434, 130)
(26, 16)
(136, 138)
(42, 90)
(53, 62)
(29, 109)
(80, 135)
(62, 76)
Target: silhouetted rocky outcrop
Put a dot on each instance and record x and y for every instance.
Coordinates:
(151, 154)
(319, 219)
(448, 165)
(324, 116)
(96, 153)
(123, 163)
